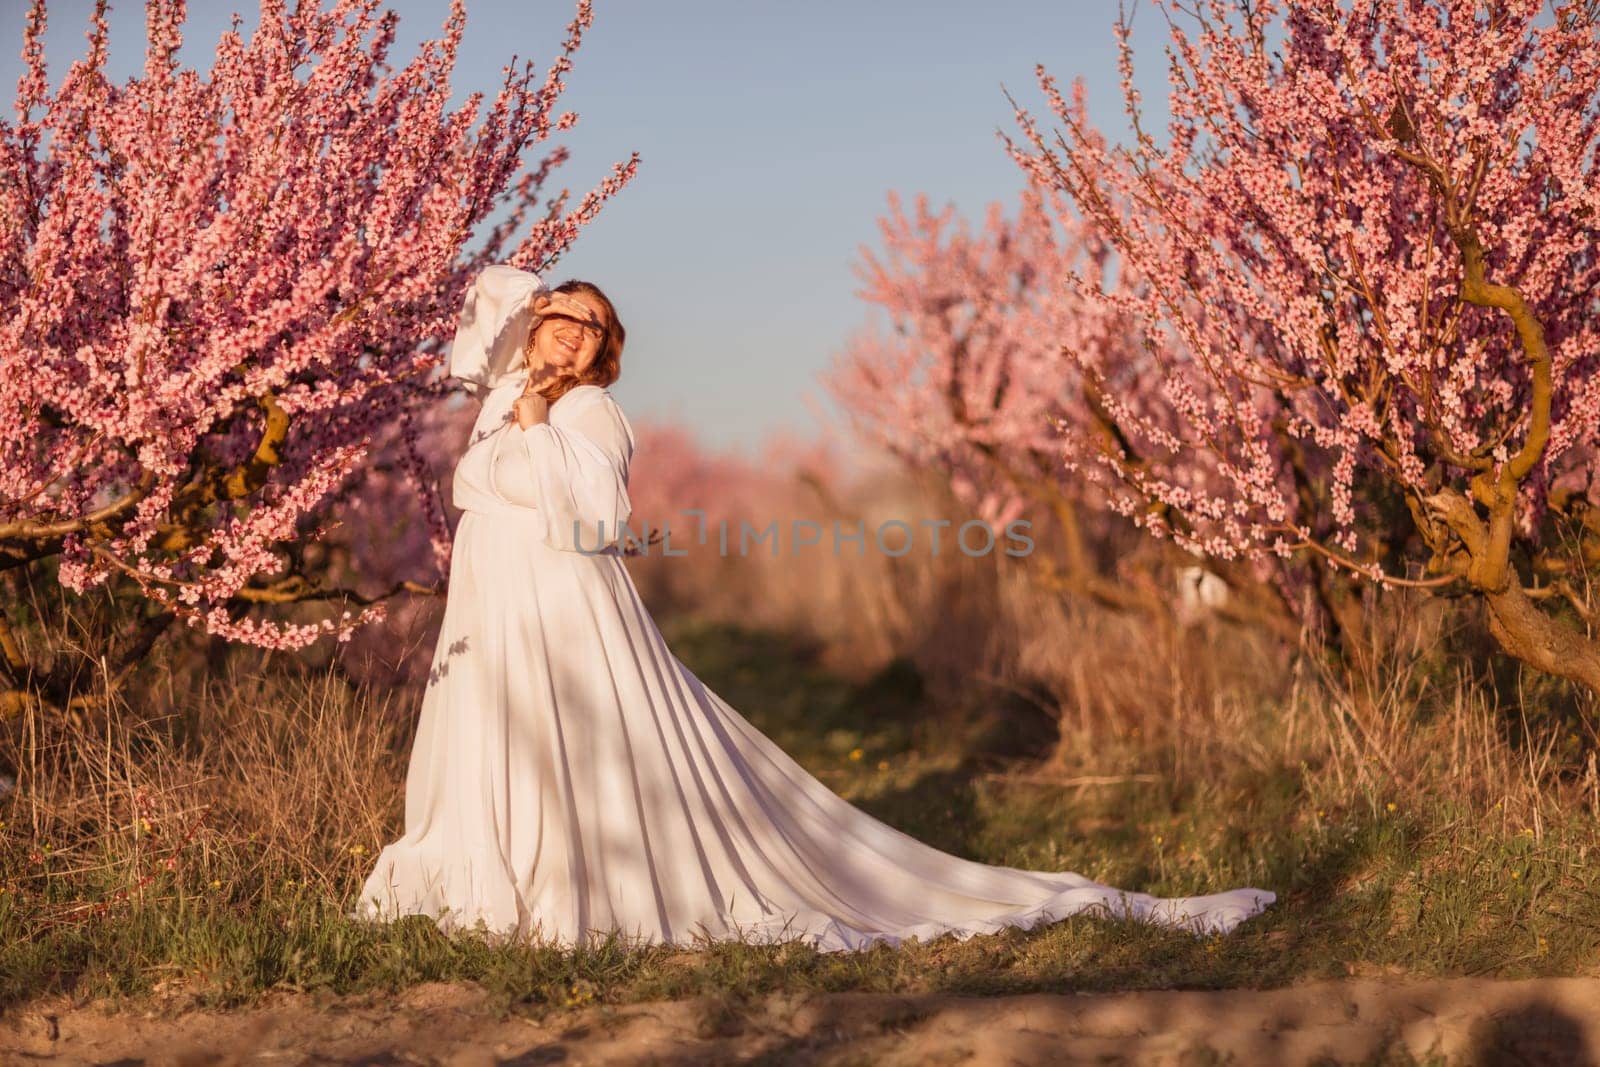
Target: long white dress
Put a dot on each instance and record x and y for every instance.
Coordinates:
(571, 777)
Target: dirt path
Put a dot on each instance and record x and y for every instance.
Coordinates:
(1467, 1021)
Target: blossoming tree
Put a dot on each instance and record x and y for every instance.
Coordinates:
(971, 381)
(968, 379)
(215, 291)
(1366, 258)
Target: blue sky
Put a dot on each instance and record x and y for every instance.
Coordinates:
(769, 133)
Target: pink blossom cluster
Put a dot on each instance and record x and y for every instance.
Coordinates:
(220, 291)
(1294, 259)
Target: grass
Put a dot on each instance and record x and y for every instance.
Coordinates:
(214, 852)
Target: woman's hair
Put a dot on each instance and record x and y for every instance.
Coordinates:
(607, 365)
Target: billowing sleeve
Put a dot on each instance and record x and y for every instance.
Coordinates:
(574, 469)
(493, 326)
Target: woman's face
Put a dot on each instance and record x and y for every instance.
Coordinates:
(571, 332)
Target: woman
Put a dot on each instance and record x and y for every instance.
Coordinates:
(571, 777)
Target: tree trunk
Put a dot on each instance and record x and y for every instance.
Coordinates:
(1541, 642)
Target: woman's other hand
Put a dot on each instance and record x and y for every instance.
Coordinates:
(530, 408)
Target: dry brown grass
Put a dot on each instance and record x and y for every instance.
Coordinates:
(255, 780)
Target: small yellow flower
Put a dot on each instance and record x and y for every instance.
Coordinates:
(1320, 813)
(216, 883)
(1389, 806)
(1158, 839)
(883, 765)
(1516, 875)
(358, 850)
(856, 753)
(144, 824)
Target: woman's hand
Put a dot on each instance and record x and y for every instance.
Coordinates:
(530, 408)
(548, 302)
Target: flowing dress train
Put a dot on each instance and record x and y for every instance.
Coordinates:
(571, 777)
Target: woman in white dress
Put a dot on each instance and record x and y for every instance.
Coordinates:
(570, 777)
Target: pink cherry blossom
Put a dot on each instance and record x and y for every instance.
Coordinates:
(224, 297)
(1366, 261)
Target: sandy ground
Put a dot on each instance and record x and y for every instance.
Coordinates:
(1468, 1021)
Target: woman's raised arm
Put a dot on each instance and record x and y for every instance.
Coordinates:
(494, 323)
